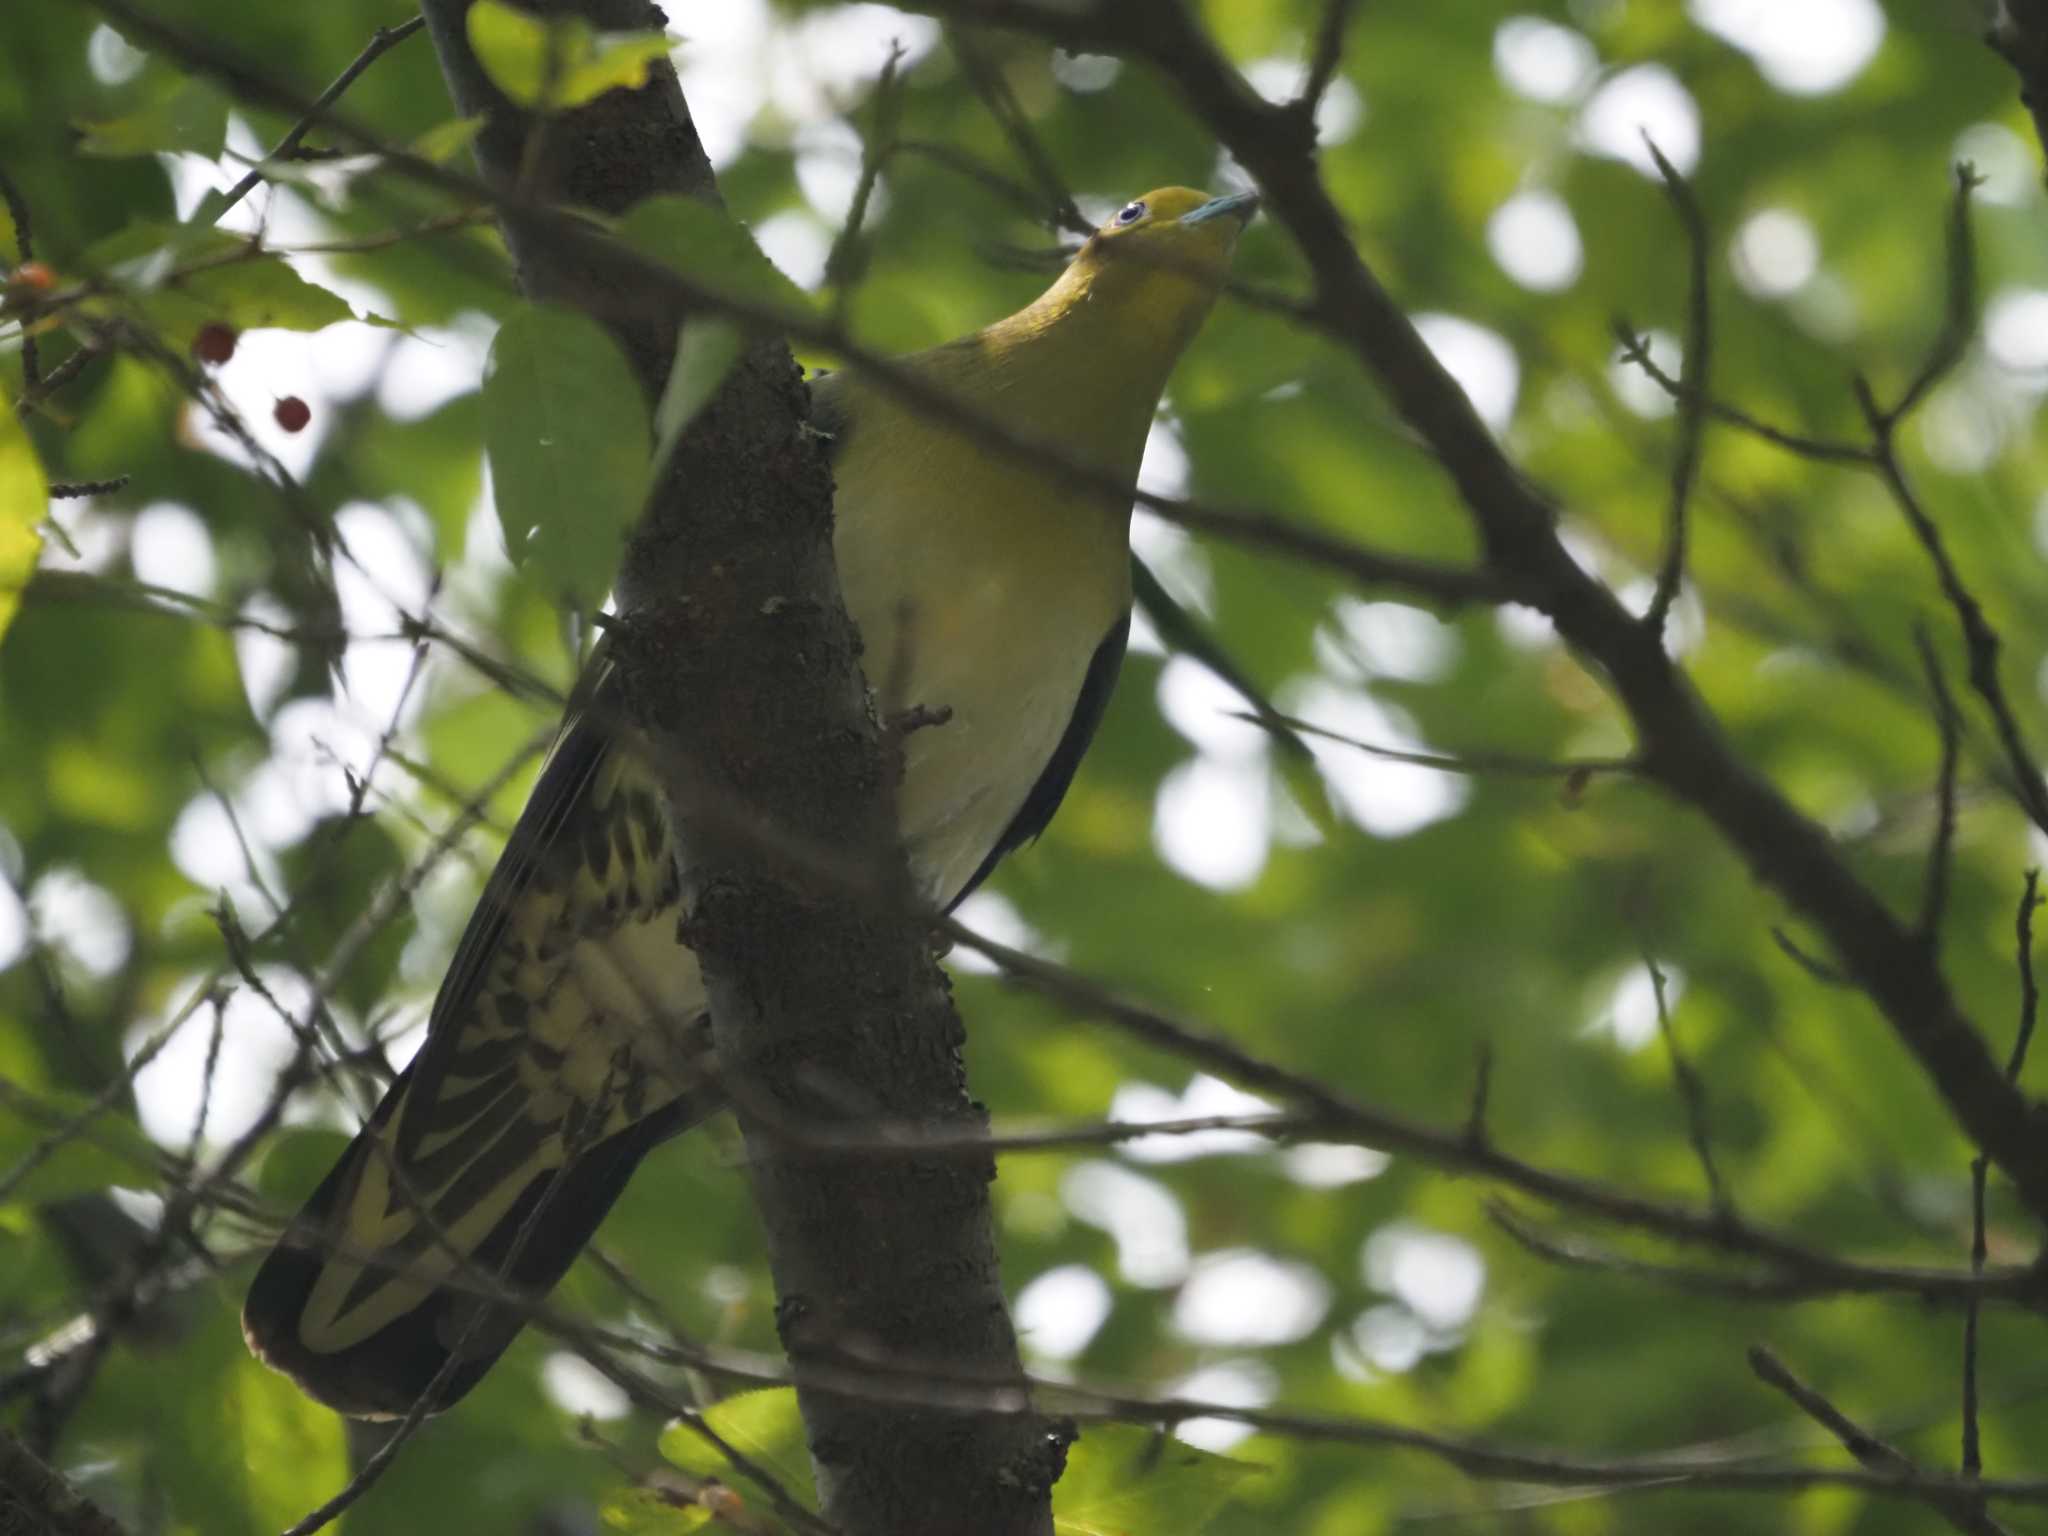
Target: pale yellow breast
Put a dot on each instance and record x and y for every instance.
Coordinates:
(980, 587)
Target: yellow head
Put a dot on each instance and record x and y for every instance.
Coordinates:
(1085, 364)
(1157, 265)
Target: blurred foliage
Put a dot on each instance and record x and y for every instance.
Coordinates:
(164, 752)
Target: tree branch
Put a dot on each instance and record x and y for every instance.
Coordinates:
(36, 1501)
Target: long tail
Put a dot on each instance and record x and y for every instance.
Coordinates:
(441, 1344)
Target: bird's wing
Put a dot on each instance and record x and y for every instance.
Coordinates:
(567, 1037)
(1036, 813)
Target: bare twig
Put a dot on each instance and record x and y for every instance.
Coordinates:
(1980, 1166)
(1812, 964)
(1795, 1270)
(2019, 34)
(1941, 856)
(842, 263)
(1962, 1509)
(1328, 55)
(1635, 350)
(73, 490)
(381, 42)
(1695, 384)
(33, 397)
(25, 247)
(1503, 764)
(1691, 1091)
(1959, 307)
(1056, 205)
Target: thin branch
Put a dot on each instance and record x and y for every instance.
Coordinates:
(1940, 856)
(1691, 1091)
(843, 262)
(2019, 35)
(1695, 384)
(1981, 641)
(1635, 350)
(1962, 1510)
(1980, 1166)
(382, 41)
(2030, 993)
(1812, 964)
(1797, 1271)
(1327, 57)
(1056, 206)
(25, 247)
(73, 490)
(895, 1380)
(33, 397)
(1578, 770)
(1959, 308)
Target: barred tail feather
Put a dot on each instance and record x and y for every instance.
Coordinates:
(446, 1336)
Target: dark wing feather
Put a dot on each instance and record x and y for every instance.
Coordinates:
(512, 1132)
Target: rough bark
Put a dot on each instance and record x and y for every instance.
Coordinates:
(742, 673)
(36, 1501)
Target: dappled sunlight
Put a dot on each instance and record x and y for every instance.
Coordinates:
(1140, 1103)
(1141, 1216)
(1536, 241)
(1808, 49)
(1241, 1299)
(1542, 60)
(1775, 253)
(1060, 1311)
(1438, 1277)
(1480, 359)
(1646, 103)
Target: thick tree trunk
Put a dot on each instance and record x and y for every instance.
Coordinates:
(742, 670)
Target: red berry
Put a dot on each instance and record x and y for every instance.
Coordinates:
(32, 277)
(292, 414)
(214, 344)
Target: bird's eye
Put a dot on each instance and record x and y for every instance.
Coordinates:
(1130, 213)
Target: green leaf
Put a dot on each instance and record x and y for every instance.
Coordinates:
(713, 252)
(180, 277)
(553, 64)
(566, 431)
(444, 141)
(763, 1426)
(187, 115)
(24, 502)
(704, 356)
(236, 1448)
(41, 1162)
(1123, 1480)
(299, 1158)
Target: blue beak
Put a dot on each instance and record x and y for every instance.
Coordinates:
(1240, 206)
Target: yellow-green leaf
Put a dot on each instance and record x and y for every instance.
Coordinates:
(554, 63)
(704, 356)
(717, 255)
(444, 141)
(1124, 1480)
(180, 277)
(188, 116)
(566, 431)
(764, 1426)
(24, 502)
(55, 1144)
